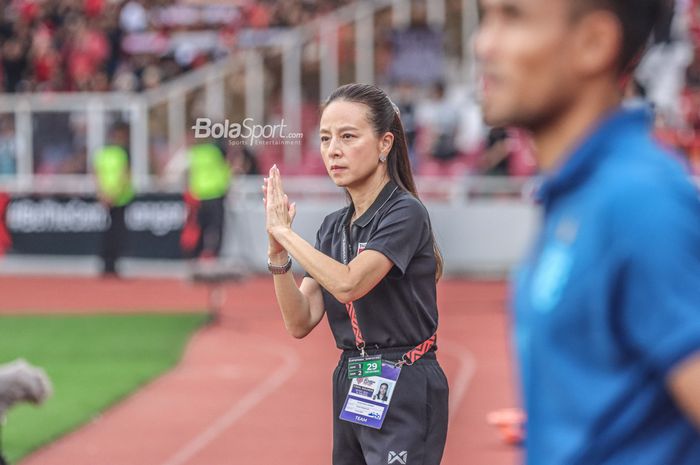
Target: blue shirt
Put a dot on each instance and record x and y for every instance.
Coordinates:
(608, 302)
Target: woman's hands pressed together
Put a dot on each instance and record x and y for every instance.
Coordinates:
(279, 213)
(345, 282)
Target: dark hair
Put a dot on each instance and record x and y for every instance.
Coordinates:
(638, 19)
(384, 117)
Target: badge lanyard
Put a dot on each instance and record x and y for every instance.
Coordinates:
(410, 357)
(372, 381)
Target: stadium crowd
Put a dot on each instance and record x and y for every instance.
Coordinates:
(128, 45)
(135, 45)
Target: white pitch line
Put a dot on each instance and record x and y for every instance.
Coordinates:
(241, 408)
(467, 368)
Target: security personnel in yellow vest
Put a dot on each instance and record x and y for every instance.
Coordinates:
(111, 166)
(209, 181)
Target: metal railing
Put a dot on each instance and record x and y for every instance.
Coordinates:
(67, 128)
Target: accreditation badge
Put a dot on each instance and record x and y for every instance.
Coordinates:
(371, 390)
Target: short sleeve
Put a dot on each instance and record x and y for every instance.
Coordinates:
(401, 232)
(660, 279)
(317, 246)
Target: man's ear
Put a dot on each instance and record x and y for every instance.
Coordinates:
(598, 43)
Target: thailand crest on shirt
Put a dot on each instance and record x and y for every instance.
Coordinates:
(554, 268)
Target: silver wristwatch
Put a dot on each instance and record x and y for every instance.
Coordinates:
(279, 269)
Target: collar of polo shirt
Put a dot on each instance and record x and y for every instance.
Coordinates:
(385, 194)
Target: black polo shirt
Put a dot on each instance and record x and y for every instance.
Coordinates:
(401, 310)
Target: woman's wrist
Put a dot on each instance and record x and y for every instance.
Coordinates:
(279, 231)
(278, 258)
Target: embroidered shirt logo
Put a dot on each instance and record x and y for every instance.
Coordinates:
(398, 457)
(554, 267)
(551, 276)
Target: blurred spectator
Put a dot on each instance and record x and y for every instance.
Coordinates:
(507, 152)
(86, 54)
(14, 63)
(438, 119)
(681, 129)
(208, 180)
(243, 160)
(44, 57)
(417, 51)
(151, 77)
(472, 131)
(662, 68)
(663, 33)
(635, 96)
(405, 99)
(59, 143)
(494, 160)
(115, 191)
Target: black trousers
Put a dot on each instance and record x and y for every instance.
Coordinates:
(210, 217)
(113, 240)
(415, 427)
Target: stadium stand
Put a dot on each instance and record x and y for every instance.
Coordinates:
(72, 69)
(136, 45)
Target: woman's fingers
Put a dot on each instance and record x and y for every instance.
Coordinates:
(276, 185)
(273, 174)
(272, 184)
(273, 193)
(279, 209)
(292, 211)
(277, 178)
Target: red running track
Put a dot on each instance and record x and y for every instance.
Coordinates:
(247, 393)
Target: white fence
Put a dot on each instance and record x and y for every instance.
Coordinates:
(54, 135)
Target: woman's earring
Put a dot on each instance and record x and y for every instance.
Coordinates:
(382, 159)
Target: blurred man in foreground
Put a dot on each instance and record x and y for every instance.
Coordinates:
(607, 304)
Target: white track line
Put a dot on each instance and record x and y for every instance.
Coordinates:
(458, 388)
(467, 368)
(242, 407)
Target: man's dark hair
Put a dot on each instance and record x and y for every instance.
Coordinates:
(638, 19)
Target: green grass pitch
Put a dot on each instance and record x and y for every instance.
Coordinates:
(93, 362)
